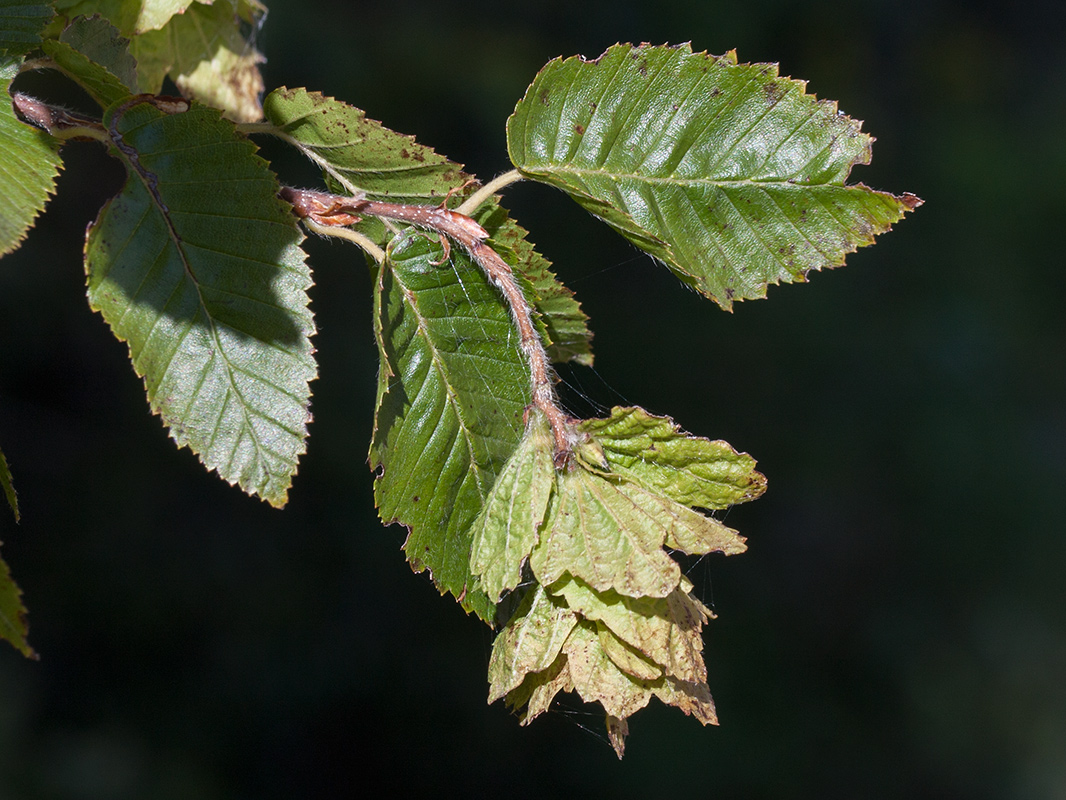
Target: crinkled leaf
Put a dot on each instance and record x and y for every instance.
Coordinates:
(530, 643)
(132, 17)
(666, 630)
(358, 154)
(655, 453)
(537, 691)
(692, 698)
(97, 57)
(31, 162)
(730, 175)
(21, 24)
(627, 658)
(453, 391)
(610, 534)
(506, 529)
(598, 679)
(13, 626)
(197, 265)
(8, 486)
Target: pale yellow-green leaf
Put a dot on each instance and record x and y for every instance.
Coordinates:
(530, 642)
(610, 534)
(692, 470)
(537, 691)
(597, 679)
(665, 630)
(506, 529)
(625, 657)
(692, 698)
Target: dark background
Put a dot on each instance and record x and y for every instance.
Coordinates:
(898, 626)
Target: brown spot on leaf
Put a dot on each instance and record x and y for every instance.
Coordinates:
(579, 129)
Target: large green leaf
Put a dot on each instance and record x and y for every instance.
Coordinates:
(21, 24)
(29, 163)
(452, 394)
(197, 265)
(730, 175)
(360, 155)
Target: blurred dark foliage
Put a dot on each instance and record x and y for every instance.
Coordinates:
(897, 628)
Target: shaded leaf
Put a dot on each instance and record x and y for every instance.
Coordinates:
(13, 626)
(196, 265)
(358, 154)
(506, 529)
(530, 643)
(453, 391)
(93, 53)
(537, 691)
(31, 163)
(730, 175)
(21, 24)
(655, 453)
(205, 52)
(692, 698)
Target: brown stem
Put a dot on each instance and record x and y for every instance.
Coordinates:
(324, 208)
(57, 121)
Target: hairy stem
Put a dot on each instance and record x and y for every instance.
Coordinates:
(322, 210)
(59, 122)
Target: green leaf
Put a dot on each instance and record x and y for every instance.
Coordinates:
(8, 486)
(506, 529)
(31, 163)
(96, 56)
(358, 154)
(21, 24)
(530, 643)
(13, 626)
(452, 394)
(730, 175)
(197, 265)
(610, 535)
(655, 453)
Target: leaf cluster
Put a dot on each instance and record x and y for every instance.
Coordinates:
(733, 177)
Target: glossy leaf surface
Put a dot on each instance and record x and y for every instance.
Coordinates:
(730, 175)
(452, 394)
